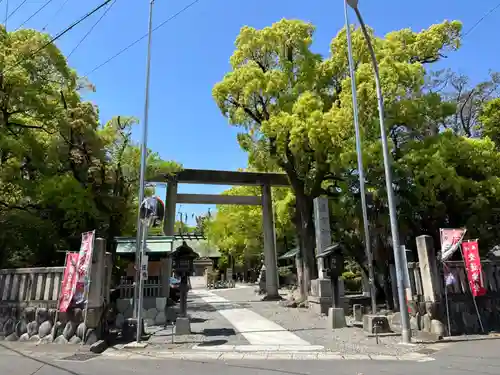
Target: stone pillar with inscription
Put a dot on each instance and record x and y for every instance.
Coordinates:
(320, 299)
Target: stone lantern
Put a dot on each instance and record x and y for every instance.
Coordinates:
(183, 264)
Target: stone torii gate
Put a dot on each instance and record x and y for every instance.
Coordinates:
(213, 177)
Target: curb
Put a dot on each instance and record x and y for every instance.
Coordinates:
(226, 356)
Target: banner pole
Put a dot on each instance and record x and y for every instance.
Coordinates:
(447, 270)
(471, 293)
(87, 289)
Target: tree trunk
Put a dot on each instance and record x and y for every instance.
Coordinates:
(299, 263)
(307, 240)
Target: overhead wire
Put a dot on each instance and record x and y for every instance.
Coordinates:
(35, 13)
(15, 10)
(175, 15)
(60, 34)
(55, 14)
(6, 13)
(479, 21)
(91, 29)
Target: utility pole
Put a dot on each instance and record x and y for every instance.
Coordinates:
(405, 317)
(144, 152)
(361, 173)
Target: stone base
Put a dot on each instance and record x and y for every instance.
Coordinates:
(374, 324)
(319, 305)
(357, 312)
(272, 298)
(321, 288)
(336, 318)
(135, 345)
(182, 326)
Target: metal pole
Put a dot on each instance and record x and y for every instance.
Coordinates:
(144, 232)
(361, 172)
(405, 317)
(144, 151)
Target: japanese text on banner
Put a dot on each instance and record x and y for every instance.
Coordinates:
(473, 265)
(69, 281)
(84, 261)
(450, 241)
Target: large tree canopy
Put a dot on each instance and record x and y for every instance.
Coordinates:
(295, 111)
(61, 171)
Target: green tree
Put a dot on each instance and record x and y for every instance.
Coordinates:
(237, 229)
(61, 173)
(295, 111)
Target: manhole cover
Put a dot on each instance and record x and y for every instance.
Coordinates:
(80, 357)
(426, 351)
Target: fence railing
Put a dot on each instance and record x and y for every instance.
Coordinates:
(490, 277)
(152, 287)
(30, 284)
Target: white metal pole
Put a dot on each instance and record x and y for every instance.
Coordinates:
(361, 172)
(405, 317)
(144, 151)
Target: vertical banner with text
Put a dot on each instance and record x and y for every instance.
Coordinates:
(84, 262)
(473, 265)
(450, 241)
(69, 281)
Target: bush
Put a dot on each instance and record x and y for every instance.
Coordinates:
(352, 282)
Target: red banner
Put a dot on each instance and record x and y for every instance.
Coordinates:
(473, 264)
(69, 281)
(84, 262)
(75, 283)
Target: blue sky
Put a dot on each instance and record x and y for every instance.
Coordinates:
(191, 53)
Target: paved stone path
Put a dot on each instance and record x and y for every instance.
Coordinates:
(237, 324)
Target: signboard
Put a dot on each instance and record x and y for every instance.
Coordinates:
(450, 240)
(144, 266)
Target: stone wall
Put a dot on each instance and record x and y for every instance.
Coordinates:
(154, 311)
(42, 324)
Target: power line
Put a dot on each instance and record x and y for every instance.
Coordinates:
(34, 14)
(142, 37)
(91, 29)
(60, 34)
(15, 10)
(486, 15)
(55, 14)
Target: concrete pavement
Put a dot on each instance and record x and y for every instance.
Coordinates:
(479, 356)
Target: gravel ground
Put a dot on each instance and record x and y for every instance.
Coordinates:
(208, 328)
(312, 327)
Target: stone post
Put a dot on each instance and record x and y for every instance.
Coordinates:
(320, 299)
(97, 283)
(428, 269)
(269, 244)
(323, 233)
(432, 320)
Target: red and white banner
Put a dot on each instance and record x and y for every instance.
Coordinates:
(473, 265)
(75, 283)
(450, 240)
(84, 262)
(69, 281)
